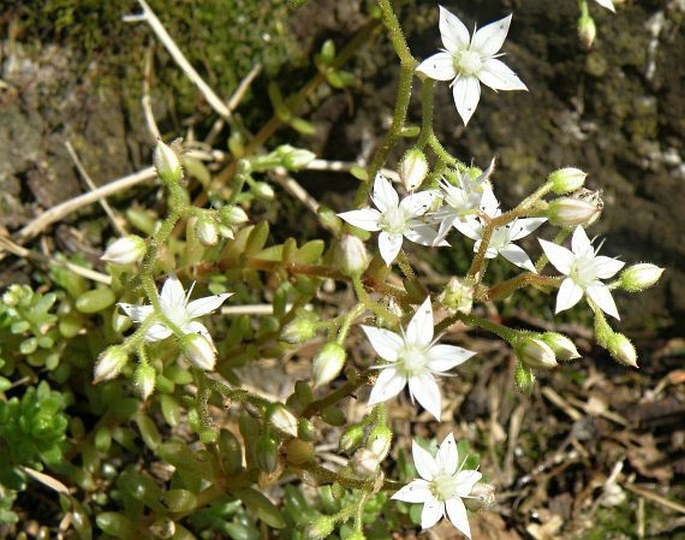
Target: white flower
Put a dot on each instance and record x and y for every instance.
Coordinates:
(468, 61)
(584, 269)
(413, 358)
(608, 4)
(502, 239)
(177, 308)
(442, 486)
(395, 219)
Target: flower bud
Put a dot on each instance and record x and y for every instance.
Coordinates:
(110, 363)
(413, 169)
(226, 232)
(351, 438)
(571, 212)
(233, 215)
(144, 380)
(524, 377)
(301, 329)
(457, 296)
(534, 352)
(126, 250)
(587, 31)
(294, 159)
(639, 277)
(167, 164)
(351, 255)
(283, 420)
(207, 231)
(482, 497)
(379, 440)
(319, 529)
(263, 191)
(622, 350)
(199, 351)
(365, 462)
(566, 180)
(327, 363)
(563, 347)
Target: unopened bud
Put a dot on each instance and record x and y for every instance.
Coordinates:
(482, 497)
(207, 231)
(327, 363)
(294, 159)
(319, 529)
(110, 363)
(263, 191)
(571, 212)
(126, 250)
(233, 215)
(351, 438)
(226, 232)
(457, 296)
(352, 257)
(587, 31)
(301, 329)
(640, 276)
(413, 169)
(566, 180)
(379, 440)
(144, 380)
(167, 164)
(283, 420)
(622, 350)
(534, 352)
(199, 351)
(524, 377)
(563, 347)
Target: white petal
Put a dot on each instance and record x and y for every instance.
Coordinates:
(427, 392)
(517, 256)
(465, 480)
(469, 227)
(489, 203)
(609, 4)
(580, 243)
(601, 295)
(417, 204)
(521, 228)
(440, 67)
(445, 357)
(386, 343)
(417, 491)
(203, 306)
(466, 94)
(420, 328)
(453, 32)
(137, 313)
(388, 384)
(366, 219)
(421, 233)
(560, 257)
(389, 245)
(157, 332)
(173, 296)
(447, 457)
(489, 39)
(568, 296)
(456, 512)
(195, 327)
(432, 511)
(384, 195)
(424, 462)
(498, 76)
(606, 267)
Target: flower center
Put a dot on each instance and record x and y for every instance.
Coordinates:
(443, 487)
(468, 63)
(413, 360)
(393, 221)
(583, 271)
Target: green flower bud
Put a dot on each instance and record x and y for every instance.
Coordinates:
(302, 328)
(413, 169)
(320, 529)
(126, 250)
(207, 231)
(639, 277)
(379, 440)
(534, 352)
(524, 377)
(294, 159)
(144, 380)
(457, 296)
(587, 31)
(571, 212)
(233, 215)
(167, 164)
(327, 363)
(563, 347)
(110, 363)
(566, 180)
(622, 350)
(263, 191)
(283, 420)
(351, 256)
(199, 351)
(351, 438)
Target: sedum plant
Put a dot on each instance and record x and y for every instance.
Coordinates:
(155, 375)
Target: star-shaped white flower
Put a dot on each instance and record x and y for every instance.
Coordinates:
(442, 486)
(468, 61)
(414, 359)
(177, 308)
(503, 238)
(394, 219)
(608, 4)
(584, 269)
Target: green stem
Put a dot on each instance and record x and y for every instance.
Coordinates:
(372, 306)
(502, 331)
(345, 390)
